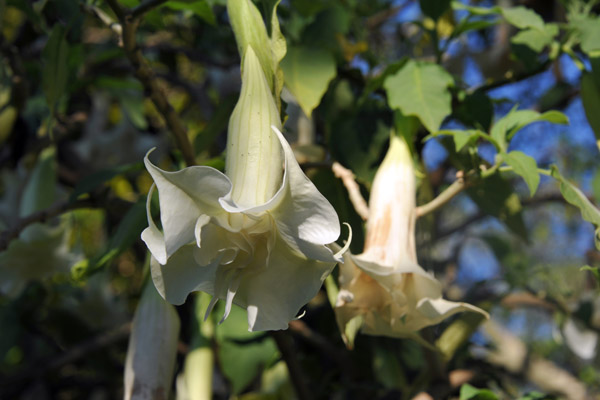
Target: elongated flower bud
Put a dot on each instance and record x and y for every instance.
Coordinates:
(254, 160)
(391, 226)
(150, 362)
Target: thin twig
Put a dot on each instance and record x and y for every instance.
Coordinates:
(347, 177)
(454, 189)
(513, 79)
(288, 353)
(145, 74)
(41, 216)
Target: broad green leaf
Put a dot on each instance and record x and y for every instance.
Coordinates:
(468, 392)
(590, 97)
(326, 27)
(307, 72)
(421, 89)
(523, 17)
(55, 71)
(576, 197)
(40, 190)
(525, 166)
(199, 7)
(505, 128)
(536, 39)
(589, 32)
(434, 9)
(461, 138)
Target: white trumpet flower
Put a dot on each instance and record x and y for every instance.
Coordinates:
(254, 236)
(385, 285)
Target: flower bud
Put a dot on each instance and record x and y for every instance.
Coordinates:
(150, 361)
(254, 160)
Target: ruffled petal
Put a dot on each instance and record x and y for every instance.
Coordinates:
(181, 275)
(304, 217)
(184, 196)
(274, 295)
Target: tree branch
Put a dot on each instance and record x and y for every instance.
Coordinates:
(145, 74)
(41, 216)
(347, 177)
(288, 353)
(451, 191)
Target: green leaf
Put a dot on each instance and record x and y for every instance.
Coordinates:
(421, 89)
(525, 166)
(434, 9)
(589, 31)
(536, 39)
(55, 71)
(466, 25)
(40, 190)
(307, 72)
(474, 10)
(523, 17)
(461, 138)
(199, 7)
(590, 97)
(594, 270)
(468, 392)
(515, 120)
(573, 195)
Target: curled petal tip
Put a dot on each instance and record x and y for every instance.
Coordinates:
(339, 255)
(149, 151)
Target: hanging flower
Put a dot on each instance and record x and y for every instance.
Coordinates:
(384, 288)
(254, 236)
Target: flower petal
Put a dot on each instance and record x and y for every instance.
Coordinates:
(274, 296)
(184, 196)
(434, 311)
(152, 236)
(181, 275)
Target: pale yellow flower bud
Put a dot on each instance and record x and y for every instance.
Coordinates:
(254, 160)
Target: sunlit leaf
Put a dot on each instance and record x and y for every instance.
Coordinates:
(421, 89)
(526, 167)
(307, 73)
